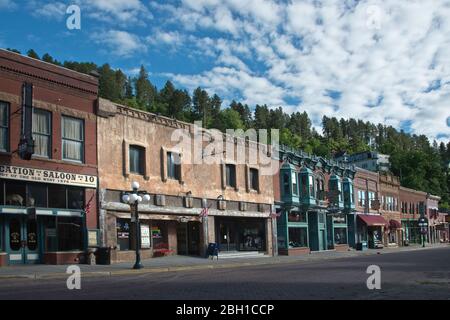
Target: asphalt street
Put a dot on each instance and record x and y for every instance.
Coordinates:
(423, 274)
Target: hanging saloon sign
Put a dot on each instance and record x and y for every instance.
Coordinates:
(47, 176)
(26, 144)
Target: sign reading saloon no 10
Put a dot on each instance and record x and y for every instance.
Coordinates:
(47, 176)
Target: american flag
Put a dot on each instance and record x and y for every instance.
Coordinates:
(87, 208)
(204, 212)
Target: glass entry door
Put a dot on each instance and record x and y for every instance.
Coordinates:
(188, 238)
(22, 240)
(227, 234)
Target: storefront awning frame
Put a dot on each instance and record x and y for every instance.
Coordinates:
(373, 220)
(42, 212)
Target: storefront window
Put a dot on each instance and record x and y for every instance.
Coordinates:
(298, 237)
(75, 197)
(340, 235)
(159, 235)
(37, 195)
(50, 235)
(296, 216)
(252, 236)
(123, 234)
(70, 233)
(57, 196)
(15, 194)
(2, 193)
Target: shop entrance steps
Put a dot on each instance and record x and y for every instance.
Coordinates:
(241, 254)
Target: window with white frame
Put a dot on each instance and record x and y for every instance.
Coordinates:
(72, 139)
(42, 132)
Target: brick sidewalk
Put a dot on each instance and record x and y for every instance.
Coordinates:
(182, 263)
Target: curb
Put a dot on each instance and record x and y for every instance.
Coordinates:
(61, 275)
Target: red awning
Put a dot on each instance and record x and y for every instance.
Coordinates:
(394, 224)
(373, 220)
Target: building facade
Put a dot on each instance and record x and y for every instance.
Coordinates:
(48, 162)
(390, 209)
(438, 226)
(413, 204)
(369, 160)
(183, 179)
(370, 225)
(314, 203)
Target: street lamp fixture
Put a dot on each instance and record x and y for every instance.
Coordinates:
(133, 198)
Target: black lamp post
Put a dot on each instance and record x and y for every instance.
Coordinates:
(133, 198)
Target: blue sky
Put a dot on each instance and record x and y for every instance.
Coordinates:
(383, 61)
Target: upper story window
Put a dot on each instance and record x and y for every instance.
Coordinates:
(42, 132)
(4, 126)
(230, 175)
(335, 186)
(348, 192)
(72, 139)
(137, 160)
(361, 198)
(173, 166)
(254, 179)
(294, 183)
(372, 198)
(286, 184)
(320, 189)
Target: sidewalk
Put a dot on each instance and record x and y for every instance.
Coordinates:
(183, 263)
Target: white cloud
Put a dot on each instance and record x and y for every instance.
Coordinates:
(7, 5)
(51, 10)
(381, 56)
(124, 13)
(120, 43)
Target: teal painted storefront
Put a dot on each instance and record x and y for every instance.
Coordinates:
(27, 235)
(310, 218)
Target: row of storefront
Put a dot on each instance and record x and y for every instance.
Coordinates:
(64, 200)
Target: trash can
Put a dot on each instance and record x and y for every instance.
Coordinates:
(103, 256)
(213, 250)
(361, 246)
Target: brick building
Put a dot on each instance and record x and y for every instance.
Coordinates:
(438, 226)
(370, 224)
(412, 206)
(144, 147)
(390, 209)
(44, 190)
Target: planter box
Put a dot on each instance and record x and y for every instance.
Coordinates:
(3, 259)
(294, 251)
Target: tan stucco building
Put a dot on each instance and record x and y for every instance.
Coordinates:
(183, 177)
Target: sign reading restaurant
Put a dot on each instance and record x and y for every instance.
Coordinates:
(47, 176)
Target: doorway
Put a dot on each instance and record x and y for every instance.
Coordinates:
(188, 238)
(22, 240)
(227, 236)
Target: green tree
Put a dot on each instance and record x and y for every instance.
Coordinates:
(145, 91)
(32, 54)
